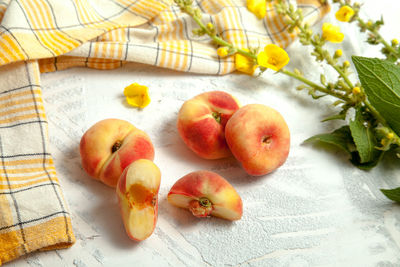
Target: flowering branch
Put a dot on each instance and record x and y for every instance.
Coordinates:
(209, 29)
(350, 13)
(349, 94)
(332, 33)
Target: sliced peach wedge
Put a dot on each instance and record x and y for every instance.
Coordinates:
(206, 193)
(137, 192)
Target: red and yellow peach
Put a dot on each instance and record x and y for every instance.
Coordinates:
(206, 193)
(109, 146)
(259, 138)
(201, 123)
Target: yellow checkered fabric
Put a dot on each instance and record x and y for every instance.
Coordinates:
(48, 35)
(33, 213)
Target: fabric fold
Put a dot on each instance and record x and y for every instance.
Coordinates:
(105, 34)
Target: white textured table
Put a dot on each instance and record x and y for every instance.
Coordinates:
(316, 210)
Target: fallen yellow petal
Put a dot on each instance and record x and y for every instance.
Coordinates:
(137, 95)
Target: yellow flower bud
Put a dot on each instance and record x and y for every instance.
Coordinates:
(369, 24)
(390, 136)
(210, 26)
(245, 64)
(395, 42)
(332, 33)
(222, 52)
(356, 90)
(338, 53)
(346, 64)
(344, 14)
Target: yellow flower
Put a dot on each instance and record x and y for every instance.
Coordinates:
(137, 95)
(245, 64)
(344, 14)
(273, 57)
(257, 7)
(395, 42)
(332, 33)
(222, 52)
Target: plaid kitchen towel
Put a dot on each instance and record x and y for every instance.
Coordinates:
(33, 213)
(48, 35)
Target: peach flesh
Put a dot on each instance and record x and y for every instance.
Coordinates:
(137, 192)
(140, 196)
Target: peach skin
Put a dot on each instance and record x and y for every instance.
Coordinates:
(201, 123)
(259, 138)
(206, 193)
(109, 146)
(137, 193)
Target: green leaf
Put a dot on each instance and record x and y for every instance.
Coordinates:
(340, 138)
(392, 194)
(355, 160)
(364, 138)
(335, 117)
(381, 82)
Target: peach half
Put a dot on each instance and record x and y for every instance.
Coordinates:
(206, 193)
(259, 138)
(109, 146)
(201, 123)
(137, 193)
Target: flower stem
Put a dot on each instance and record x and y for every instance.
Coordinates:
(218, 40)
(343, 75)
(381, 120)
(298, 21)
(313, 85)
(379, 38)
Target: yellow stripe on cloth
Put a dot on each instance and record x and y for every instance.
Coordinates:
(49, 28)
(50, 35)
(155, 32)
(33, 212)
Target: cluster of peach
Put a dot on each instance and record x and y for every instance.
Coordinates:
(211, 124)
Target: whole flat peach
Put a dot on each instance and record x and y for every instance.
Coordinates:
(259, 138)
(201, 123)
(109, 146)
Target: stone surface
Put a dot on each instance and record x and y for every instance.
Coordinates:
(316, 210)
